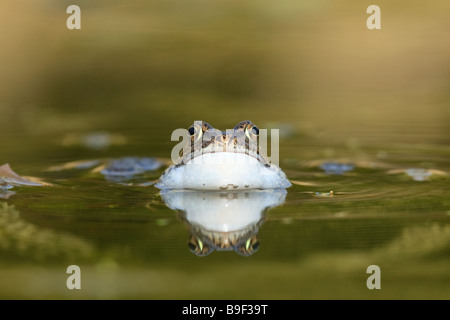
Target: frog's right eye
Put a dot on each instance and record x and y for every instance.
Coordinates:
(191, 131)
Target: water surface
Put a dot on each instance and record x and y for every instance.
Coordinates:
(356, 112)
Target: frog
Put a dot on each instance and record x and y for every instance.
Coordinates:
(223, 160)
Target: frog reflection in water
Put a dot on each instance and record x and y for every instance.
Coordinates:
(223, 220)
(216, 160)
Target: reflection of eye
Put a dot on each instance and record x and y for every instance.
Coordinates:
(255, 130)
(252, 245)
(255, 246)
(192, 247)
(197, 247)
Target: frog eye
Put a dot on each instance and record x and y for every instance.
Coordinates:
(196, 132)
(252, 132)
(197, 247)
(250, 246)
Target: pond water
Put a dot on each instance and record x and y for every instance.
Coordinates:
(365, 147)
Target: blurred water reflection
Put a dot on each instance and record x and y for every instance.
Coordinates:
(223, 220)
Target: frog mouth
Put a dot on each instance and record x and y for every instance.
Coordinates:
(196, 158)
(229, 146)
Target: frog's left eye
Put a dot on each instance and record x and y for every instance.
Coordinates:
(196, 132)
(252, 132)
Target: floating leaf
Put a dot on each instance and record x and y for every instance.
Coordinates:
(10, 177)
(302, 183)
(79, 164)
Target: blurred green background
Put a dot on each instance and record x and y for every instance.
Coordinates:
(138, 70)
(313, 64)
